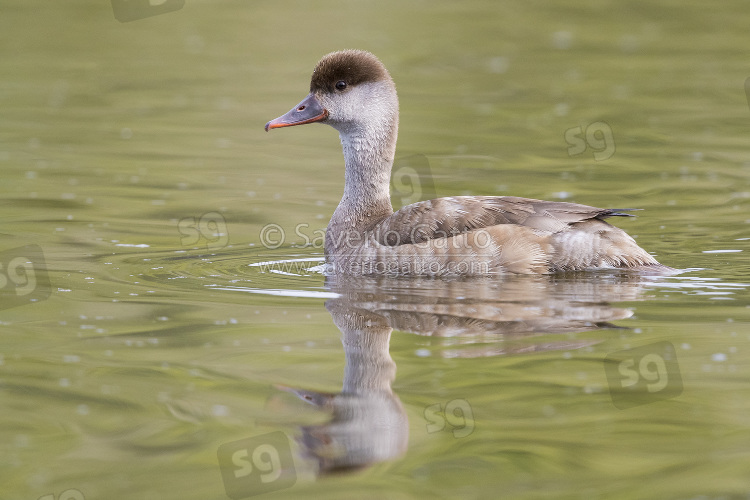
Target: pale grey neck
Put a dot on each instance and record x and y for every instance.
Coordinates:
(368, 156)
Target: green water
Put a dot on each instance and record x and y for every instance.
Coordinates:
(136, 178)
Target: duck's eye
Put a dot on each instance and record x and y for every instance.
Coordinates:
(340, 85)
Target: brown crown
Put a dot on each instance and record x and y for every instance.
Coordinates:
(352, 66)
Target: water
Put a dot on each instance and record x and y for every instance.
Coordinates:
(185, 322)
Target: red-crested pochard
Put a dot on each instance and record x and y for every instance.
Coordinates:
(352, 91)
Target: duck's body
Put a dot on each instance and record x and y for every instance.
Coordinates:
(462, 235)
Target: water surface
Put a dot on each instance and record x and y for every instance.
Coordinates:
(184, 316)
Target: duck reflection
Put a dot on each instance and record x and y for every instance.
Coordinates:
(369, 424)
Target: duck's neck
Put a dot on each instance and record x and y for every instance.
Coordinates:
(368, 153)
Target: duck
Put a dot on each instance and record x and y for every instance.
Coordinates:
(353, 92)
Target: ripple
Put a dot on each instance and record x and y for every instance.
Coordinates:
(282, 293)
(286, 273)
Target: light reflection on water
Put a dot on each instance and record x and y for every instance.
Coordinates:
(476, 318)
(558, 327)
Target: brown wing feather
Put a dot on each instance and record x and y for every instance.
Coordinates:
(444, 217)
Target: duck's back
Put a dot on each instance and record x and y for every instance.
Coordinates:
(463, 235)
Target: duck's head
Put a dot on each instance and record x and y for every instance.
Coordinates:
(350, 90)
